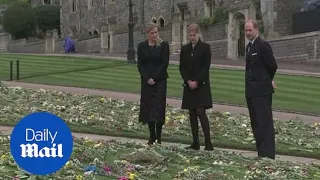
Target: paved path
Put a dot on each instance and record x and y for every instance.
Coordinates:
(284, 68)
(173, 102)
(7, 131)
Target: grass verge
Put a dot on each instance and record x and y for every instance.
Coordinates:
(294, 93)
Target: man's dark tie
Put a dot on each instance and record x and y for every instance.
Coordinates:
(248, 48)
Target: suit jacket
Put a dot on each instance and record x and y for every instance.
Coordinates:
(261, 67)
(153, 61)
(195, 62)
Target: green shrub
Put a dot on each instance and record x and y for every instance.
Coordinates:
(47, 17)
(19, 20)
(220, 15)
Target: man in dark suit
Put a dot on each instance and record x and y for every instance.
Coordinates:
(259, 88)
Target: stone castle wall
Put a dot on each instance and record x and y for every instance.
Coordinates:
(297, 48)
(4, 39)
(96, 20)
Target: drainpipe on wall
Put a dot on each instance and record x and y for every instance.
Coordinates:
(172, 6)
(80, 28)
(142, 14)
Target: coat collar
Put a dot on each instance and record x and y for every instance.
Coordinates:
(255, 41)
(196, 46)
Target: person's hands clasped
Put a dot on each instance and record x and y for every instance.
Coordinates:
(274, 85)
(192, 84)
(151, 82)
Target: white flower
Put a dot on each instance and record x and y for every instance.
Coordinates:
(88, 173)
(226, 113)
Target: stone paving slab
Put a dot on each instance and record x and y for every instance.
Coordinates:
(5, 130)
(172, 102)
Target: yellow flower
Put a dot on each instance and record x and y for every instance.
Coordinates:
(97, 145)
(4, 157)
(124, 161)
(102, 100)
(79, 177)
(68, 164)
(185, 170)
(132, 176)
(167, 120)
(316, 124)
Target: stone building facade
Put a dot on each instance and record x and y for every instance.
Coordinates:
(107, 20)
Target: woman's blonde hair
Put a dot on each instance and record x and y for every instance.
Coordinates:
(195, 28)
(150, 26)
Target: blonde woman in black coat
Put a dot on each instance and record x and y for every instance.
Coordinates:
(153, 61)
(195, 60)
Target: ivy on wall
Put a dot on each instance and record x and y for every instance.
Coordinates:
(257, 4)
(220, 15)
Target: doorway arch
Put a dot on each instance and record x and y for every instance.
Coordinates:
(236, 35)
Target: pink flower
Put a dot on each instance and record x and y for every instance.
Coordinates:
(107, 170)
(130, 168)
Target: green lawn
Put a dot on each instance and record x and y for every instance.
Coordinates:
(294, 93)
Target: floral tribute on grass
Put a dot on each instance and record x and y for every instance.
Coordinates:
(98, 115)
(129, 161)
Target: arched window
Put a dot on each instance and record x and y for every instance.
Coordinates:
(161, 22)
(154, 21)
(95, 32)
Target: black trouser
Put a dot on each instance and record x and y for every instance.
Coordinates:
(201, 113)
(260, 110)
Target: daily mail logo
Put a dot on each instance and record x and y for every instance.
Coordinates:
(39, 139)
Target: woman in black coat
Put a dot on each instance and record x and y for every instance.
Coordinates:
(195, 60)
(153, 61)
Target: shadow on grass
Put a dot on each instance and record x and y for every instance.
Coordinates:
(76, 70)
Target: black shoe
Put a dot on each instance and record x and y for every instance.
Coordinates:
(158, 141)
(195, 145)
(208, 146)
(151, 141)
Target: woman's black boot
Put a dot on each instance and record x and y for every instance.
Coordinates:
(152, 131)
(159, 132)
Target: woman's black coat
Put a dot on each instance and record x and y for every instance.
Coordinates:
(195, 65)
(152, 63)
